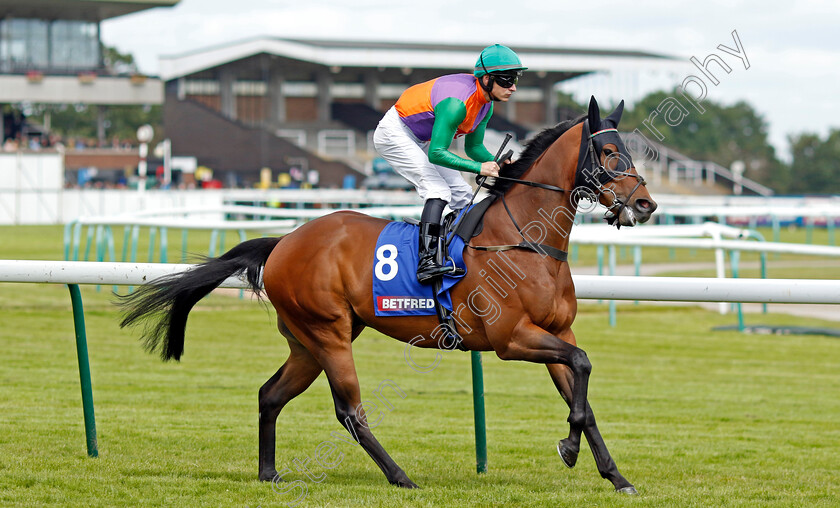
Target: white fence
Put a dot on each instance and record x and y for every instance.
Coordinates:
(594, 287)
(60, 206)
(673, 289)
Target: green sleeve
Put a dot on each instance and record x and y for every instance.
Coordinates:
(474, 141)
(449, 113)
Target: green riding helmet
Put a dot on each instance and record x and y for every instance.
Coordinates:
(495, 59)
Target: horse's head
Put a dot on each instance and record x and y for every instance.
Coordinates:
(606, 169)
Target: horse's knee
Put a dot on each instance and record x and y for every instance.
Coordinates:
(271, 397)
(269, 403)
(579, 362)
(346, 416)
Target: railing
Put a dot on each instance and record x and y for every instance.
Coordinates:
(594, 287)
(100, 237)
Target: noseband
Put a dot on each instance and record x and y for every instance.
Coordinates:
(595, 177)
(600, 175)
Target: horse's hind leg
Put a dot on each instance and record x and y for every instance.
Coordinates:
(570, 447)
(295, 376)
(347, 397)
(341, 372)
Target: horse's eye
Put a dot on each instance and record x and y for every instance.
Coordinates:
(607, 152)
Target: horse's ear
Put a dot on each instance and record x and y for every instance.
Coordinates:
(615, 116)
(594, 115)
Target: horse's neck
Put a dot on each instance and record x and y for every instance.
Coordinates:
(545, 216)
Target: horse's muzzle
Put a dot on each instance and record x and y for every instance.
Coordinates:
(641, 209)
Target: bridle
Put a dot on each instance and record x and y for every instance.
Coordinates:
(592, 178)
(598, 174)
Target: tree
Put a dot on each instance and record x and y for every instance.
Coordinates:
(118, 63)
(816, 163)
(722, 134)
(567, 107)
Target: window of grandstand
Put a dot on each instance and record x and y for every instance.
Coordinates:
(74, 45)
(23, 44)
(60, 45)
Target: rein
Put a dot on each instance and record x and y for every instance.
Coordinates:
(597, 170)
(539, 248)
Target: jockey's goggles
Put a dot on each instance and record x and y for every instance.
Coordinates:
(506, 79)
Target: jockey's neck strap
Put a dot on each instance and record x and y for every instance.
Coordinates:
(525, 182)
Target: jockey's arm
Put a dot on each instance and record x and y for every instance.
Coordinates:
(474, 141)
(449, 113)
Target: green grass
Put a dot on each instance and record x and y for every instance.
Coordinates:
(692, 417)
(587, 255)
(47, 243)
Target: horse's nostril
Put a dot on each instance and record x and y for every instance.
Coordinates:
(645, 205)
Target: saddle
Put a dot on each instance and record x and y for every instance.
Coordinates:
(468, 224)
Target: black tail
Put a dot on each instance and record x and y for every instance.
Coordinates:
(163, 304)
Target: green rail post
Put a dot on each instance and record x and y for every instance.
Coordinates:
(612, 304)
(670, 220)
(126, 241)
(84, 369)
(135, 237)
(637, 263)
(164, 245)
(478, 409)
(77, 231)
(68, 239)
(734, 257)
(89, 242)
(152, 234)
(752, 233)
(184, 234)
(214, 235)
(600, 256)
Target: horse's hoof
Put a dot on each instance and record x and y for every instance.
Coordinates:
(405, 483)
(566, 453)
(629, 490)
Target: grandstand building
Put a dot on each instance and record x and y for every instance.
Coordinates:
(281, 102)
(299, 107)
(51, 53)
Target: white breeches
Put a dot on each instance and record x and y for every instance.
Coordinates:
(410, 158)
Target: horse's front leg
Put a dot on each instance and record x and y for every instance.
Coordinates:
(570, 447)
(533, 344)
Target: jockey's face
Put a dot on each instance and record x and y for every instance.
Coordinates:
(499, 92)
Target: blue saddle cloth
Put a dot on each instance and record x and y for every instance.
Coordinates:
(396, 291)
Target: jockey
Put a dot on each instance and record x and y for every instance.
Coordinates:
(415, 134)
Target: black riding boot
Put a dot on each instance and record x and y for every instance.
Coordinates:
(428, 267)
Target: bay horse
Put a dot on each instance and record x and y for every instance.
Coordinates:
(319, 278)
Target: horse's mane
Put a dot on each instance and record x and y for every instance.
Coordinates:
(533, 149)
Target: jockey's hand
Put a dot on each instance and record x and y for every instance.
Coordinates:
(489, 168)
